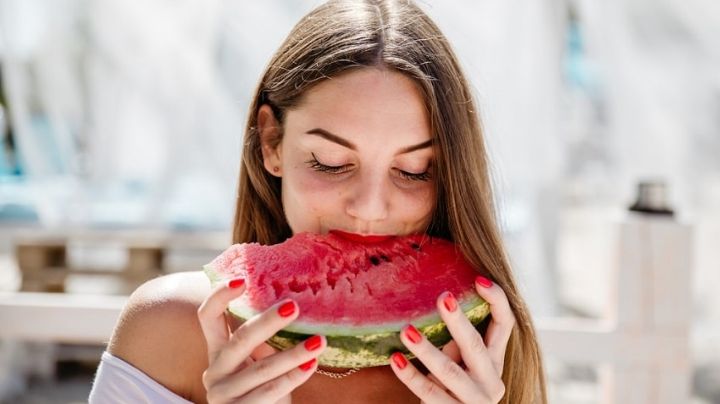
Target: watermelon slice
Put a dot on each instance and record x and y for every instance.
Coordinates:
(357, 291)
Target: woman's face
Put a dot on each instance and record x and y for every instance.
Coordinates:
(356, 156)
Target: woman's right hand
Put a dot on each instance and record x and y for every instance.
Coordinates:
(233, 375)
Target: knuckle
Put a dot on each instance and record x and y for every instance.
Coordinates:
(414, 378)
(224, 389)
(263, 369)
(238, 337)
(295, 378)
(476, 343)
(201, 311)
(272, 387)
(429, 389)
(206, 379)
(498, 392)
(452, 370)
(215, 395)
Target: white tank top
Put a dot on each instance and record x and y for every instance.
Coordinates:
(117, 381)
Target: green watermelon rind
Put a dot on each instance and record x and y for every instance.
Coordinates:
(374, 349)
(361, 346)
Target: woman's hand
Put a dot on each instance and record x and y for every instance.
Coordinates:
(242, 368)
(468, 369)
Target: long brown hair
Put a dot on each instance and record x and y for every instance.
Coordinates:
(342, 35)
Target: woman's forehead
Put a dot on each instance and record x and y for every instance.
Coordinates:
(365, 100)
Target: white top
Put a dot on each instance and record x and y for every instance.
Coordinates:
(117, 381)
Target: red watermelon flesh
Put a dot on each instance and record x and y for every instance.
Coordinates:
(345, 282)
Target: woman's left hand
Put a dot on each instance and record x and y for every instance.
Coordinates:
(468, 369)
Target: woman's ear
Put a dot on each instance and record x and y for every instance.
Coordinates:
(269, 131)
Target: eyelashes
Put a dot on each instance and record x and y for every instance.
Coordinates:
(318, 166)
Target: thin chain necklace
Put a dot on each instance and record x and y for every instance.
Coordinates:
(336, 375)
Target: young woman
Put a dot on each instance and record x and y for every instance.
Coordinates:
(363, 122)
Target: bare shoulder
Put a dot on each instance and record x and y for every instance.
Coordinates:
(159, 333)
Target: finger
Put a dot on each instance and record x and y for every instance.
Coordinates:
(502, 320)
(472, 347)
(282, 386)
(452, 351)
(212, 315)
(419, 384)
(450, 374)
(272, 367)
(262, 351)
(253, 333)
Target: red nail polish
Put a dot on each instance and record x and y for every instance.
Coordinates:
(399, 360)
(307, 365)
(483, 281)
(236, 283)
(313, 343)
(413, 334)
(287, 309)
(450, 302)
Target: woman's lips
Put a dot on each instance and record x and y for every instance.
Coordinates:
(360, 238)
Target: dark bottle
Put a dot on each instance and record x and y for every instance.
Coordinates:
(652, 199)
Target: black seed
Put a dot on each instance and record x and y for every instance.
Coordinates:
(415, 246)
(375, 260)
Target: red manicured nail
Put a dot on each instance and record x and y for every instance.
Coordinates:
(450, 302)
(307, 365)
(483, 281)
(413, 334)
(236, 283)
(287, 309)
(313, 343)
(399, 360)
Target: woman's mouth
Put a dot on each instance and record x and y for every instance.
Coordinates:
(361, 238)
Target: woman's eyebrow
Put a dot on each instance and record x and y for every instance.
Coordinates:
(346, 143)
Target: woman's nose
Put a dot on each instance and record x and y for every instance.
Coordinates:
(370, 200)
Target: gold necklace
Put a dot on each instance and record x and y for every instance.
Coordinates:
(336, 375)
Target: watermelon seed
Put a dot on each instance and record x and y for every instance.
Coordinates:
(278, 288)
(415, 246)
(315, 286)
(331, 280)
(368, 289)
(296, 286)
(375, 260)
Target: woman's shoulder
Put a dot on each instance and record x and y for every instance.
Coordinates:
(159, 333)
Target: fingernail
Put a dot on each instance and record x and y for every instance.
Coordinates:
(399, 360)
(413, 334)
(483, 281)
(236, 283)
(450, 302)
(287, 309)
(313, 343)
(307, 365)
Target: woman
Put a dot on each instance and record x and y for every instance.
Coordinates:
(362, 122)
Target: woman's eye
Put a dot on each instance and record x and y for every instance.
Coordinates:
(425, 176)
(318, 166)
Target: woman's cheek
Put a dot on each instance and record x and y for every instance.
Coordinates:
(312, 191)
(419, 204)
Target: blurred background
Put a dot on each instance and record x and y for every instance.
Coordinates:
(122, 122)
